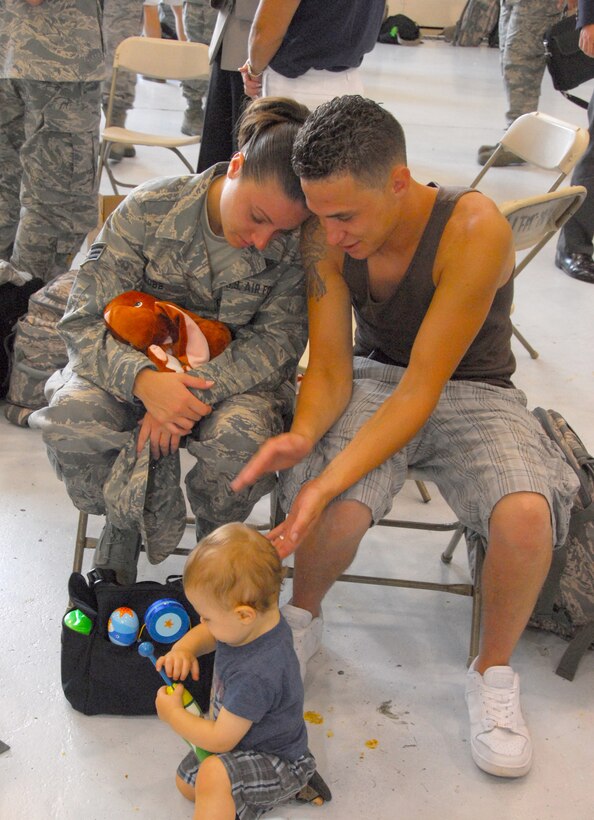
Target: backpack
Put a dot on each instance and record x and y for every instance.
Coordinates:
(398, 29)
(38, 349)
(478, 20)
(565, 605)
(14, 299)
(566, 602)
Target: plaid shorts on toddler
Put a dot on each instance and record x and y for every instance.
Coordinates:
(259, 781)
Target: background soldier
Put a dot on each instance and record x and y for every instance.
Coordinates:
(522, 24)
(52, 63)
(199, 20)
(121, 19)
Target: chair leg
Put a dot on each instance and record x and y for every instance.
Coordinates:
(446, 555)
(486, 166)
(422, 488)
(104, 152)
(523, 341)
(80, 543)
(108, 171)
(183, 159)
(477, 602)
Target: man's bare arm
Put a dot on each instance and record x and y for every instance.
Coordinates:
(313, 250)
(270, 25)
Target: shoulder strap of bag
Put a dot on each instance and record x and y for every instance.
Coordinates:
(577, 100)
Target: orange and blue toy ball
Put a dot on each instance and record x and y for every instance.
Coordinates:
(122, 627)
(166, 620)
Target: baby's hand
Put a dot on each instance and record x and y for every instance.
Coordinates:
(168, 703)
(178, 663)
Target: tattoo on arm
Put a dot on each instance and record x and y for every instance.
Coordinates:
(313, 248)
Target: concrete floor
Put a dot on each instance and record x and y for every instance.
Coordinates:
(388, 682)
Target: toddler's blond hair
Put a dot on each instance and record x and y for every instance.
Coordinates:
(237, 565)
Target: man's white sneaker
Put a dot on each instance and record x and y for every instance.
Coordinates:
(499, 738)
(307, 633)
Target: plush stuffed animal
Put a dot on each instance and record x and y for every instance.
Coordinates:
(173, 338)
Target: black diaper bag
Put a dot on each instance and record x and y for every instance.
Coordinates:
(98, 676)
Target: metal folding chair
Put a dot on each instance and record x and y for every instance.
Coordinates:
(544, 141)
(163, 60)
(534, 221)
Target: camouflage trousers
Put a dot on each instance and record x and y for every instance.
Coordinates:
(91, 442)
(121, 19)
(522, 24)
(49, 144)
(199, 20)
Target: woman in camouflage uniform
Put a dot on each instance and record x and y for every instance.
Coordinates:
(225, 245)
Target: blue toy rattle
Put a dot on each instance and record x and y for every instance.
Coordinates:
(147, 650)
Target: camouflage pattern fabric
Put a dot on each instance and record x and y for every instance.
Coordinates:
(39, 350)
(57, 41)
(522, 24)
(477, 21)
(51, 58)
(121, 19)
(199, 21)
(153, 242)
(49, 143)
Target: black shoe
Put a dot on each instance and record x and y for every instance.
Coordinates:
(578, 265)
(504, 158)
(119, 151)
(315, 791)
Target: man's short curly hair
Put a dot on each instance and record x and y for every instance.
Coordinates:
(349, 135)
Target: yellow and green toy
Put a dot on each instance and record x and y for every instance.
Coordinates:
(147, 650)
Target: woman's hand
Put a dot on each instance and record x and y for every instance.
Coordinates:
(169, 400)
(163, 443)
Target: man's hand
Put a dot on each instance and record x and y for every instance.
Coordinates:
(587, 40)
(278, 453)
(168, 399)
(169, 703)
(178, 664)
(307, 508)
(252, 84)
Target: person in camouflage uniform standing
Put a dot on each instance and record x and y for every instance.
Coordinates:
(52, 63)
(199, 20)
(522, 24)
(121, 19)
(224, 244)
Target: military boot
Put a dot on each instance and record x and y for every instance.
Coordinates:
(503, 159)
(118, 550)
(118, 150)
(193, 121)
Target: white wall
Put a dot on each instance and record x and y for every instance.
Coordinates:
(433, 13)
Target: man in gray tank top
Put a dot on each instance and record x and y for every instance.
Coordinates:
(429, 275)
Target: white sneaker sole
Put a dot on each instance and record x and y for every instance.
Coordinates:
(492, 768)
